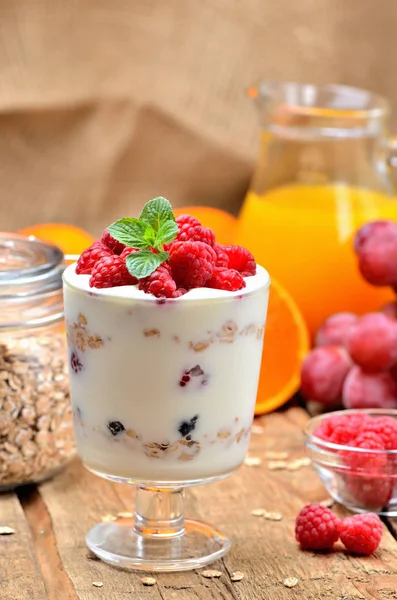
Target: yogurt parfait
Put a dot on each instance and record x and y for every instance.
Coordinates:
(165, 330)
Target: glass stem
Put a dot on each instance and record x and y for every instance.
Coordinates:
(159, 512)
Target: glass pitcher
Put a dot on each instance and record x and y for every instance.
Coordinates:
(323, 171)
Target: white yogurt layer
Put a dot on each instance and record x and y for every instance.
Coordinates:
(164, 392)
(132, 292)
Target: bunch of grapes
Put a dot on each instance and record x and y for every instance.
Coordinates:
(355, 358)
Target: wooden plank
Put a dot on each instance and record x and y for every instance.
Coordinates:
(19, 573)
(265, 551)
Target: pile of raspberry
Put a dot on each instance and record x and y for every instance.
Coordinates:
(195, 260)
(370, 477)
(318, 528)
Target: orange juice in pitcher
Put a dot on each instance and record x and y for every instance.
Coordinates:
(323, 172)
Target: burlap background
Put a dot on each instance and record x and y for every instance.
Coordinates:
(107, 103)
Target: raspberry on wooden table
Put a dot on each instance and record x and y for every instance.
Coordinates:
(109, 241)
(226, 279)
(192, 263)
(111, 271)
(241, 259)
(91, 256)
(361, 534)
(160, 283)
(316, 527)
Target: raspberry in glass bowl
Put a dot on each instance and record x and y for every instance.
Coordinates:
(355, 454)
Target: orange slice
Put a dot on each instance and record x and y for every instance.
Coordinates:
(221, 222)
(286, 345)
(69, 238)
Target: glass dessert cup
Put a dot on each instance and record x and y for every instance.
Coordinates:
(363, 480)
(163, 395)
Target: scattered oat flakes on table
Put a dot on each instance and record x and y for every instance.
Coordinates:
(97, 584)
(290, 582)
(4, 530)
(148, 580)
(211, 574)
(237, 576)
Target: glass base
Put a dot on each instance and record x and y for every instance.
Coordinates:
(122, 545)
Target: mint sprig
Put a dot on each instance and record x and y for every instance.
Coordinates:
(155, 227)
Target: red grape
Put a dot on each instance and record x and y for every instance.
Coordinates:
(376, 247)
(334, 330)
(372, 342)
(366, 390)
(323, 373)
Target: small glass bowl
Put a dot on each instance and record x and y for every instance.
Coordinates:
(360, 479)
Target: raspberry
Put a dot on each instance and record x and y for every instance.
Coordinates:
(369, 390)
(127, 251)
(192, 263)
(334, 330)
(196, 233)
(179, 292)
(111, 271)
(91, 256)
(385, 428)
(222, 259)
(361, 534)
(110, 242)
(241, 259)
(316, 527)
(367, 461)
(372, 342)
(186, 221)
(160, 283)
(370, 492)
(226, 279)
(323, 373)
(341, 429)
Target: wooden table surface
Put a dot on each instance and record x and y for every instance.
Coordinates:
(46, 557)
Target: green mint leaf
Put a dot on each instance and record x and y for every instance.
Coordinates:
(131, 232)
(156, 212)
(143, 263)
(150, 236)
(167, 232)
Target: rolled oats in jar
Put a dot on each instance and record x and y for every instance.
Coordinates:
(36, 434)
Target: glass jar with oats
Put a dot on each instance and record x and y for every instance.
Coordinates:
(36, 434)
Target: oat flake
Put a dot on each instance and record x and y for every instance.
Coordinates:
(211, 574)
(125, 515)
(108, 518)
(237, 576)
(148, 580)
(97, 584)
(273, 516)
(6, 530)
(276, 465)
(257, 429)
(258, 512)
(290, 582)
(252, 461)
